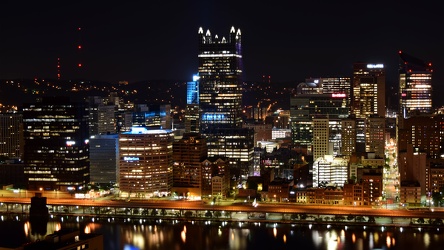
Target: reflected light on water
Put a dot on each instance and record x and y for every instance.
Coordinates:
(371, 242)
(285, 238)
(353, 238)
(238, 238)
(388, 241)
(376, 237)
(183, 236)
(51, 227)
(27, 228)
(426, 240)
(317, 238)
(275, 232)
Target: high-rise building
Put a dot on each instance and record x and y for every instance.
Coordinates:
(146, 162)
(321, 138)
(423, 132)
(348, 136)
(188, 154)
(192, 122)
(104, 155)
(220, 99)
(102, 118)
(415, 86)
(56, 144)
(375, 135)
(368, 90)
(220, 83)
(11, 135)
(306, 107)
(235, 144)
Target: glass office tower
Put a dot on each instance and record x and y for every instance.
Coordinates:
(220, 85)
(368, 90)
(415, 86)
(56, 144)
(220, 100)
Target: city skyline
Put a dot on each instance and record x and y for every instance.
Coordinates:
(134, 42)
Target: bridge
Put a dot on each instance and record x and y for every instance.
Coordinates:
(233, 211)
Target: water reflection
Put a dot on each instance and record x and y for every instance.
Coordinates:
(156, 234)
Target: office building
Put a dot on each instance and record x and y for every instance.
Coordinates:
(235, 144)
(348, 137)
(304, 108)
(56, 144)
(368, 90)
(146, 162)
(415, 86)
(211, 167)
(220, 99)
(423, 132)
(102, 117)
(321, 145)
(375, 135)
(220, 83)
(11, 135)
(104, 155)
(188, 154)
(330, 170)
(192, 122)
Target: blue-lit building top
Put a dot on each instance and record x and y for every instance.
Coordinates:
(144, 130)
(193, 91)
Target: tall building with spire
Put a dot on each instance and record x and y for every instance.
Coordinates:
(415, 86)
(220, 83)
(220, 99)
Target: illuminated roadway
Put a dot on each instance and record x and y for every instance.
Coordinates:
(280, 208)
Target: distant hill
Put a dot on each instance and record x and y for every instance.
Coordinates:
(19, 91)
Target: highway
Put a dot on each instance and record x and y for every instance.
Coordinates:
(11, 204)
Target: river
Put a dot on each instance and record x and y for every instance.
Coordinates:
(177, 235)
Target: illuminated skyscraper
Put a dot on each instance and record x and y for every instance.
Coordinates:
(220, 99)
(368, 90)
(415, 86)
(192, 123)
(220, 83)
(56, 144)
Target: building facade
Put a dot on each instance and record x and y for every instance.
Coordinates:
(415, 86)
(220, 83)
(368, 90)
(188, 154)
(146, 162)
(56, 144)
(11, 135)
(220, 100)
(192, 121)
(104, 155)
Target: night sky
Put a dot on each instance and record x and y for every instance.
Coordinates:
(150, 40)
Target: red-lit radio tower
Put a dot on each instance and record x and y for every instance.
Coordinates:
(59, 74)
(79, 47)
